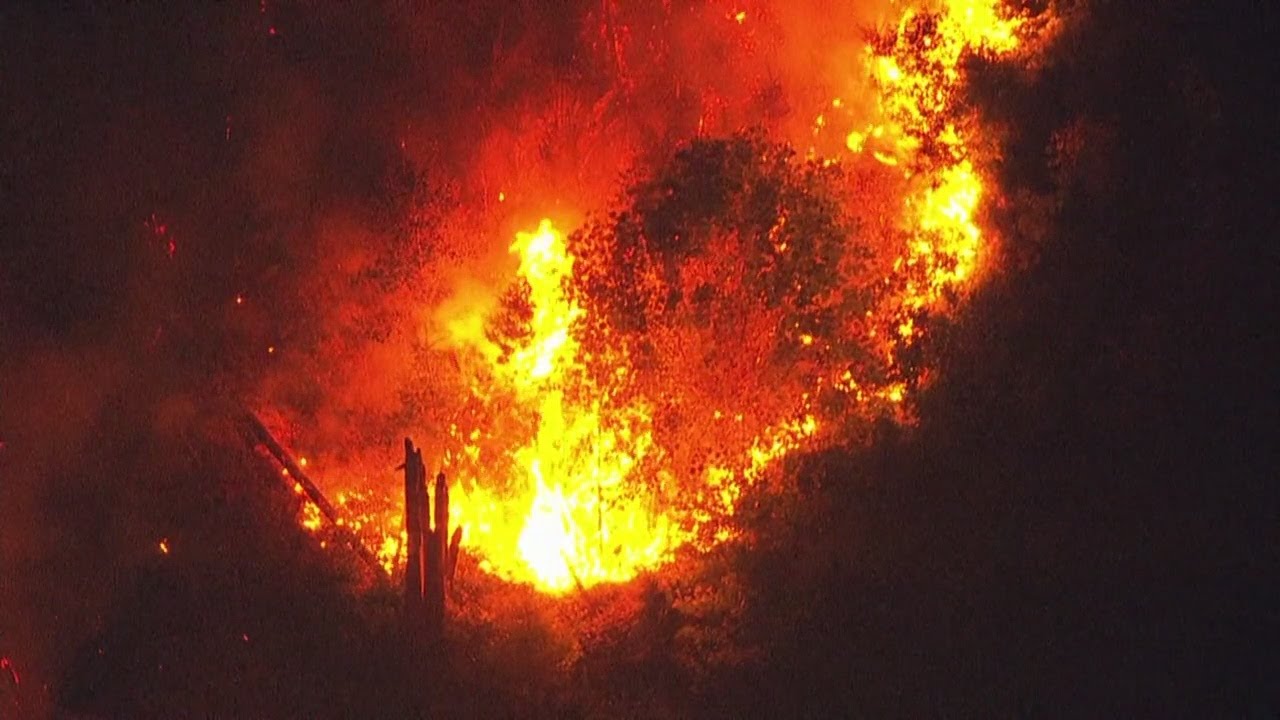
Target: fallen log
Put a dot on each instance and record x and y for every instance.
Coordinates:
(262, 436)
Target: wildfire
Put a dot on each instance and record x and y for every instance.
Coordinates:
(559, 474)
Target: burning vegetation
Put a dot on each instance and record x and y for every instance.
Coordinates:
(760, 286)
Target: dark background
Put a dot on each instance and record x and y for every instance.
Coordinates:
(1084, 522)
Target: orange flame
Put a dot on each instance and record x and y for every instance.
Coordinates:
(579, 526)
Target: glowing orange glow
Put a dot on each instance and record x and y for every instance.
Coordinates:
(7, 665)
(311, 517)
(164, 546)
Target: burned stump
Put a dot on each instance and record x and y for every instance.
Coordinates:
(432, 553)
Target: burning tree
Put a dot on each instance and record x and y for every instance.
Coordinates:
(734, 283)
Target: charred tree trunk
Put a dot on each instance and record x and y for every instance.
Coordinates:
(415, 501)
(435, 561)
(432, 553)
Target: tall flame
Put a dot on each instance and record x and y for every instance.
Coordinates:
(581, 524)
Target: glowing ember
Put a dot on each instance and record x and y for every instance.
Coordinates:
(11, 671)
(311, 517)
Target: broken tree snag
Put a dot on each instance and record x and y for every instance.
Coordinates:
(441, 525)
(437, 537)
(415, 502)
(431, 554)
(455, 544)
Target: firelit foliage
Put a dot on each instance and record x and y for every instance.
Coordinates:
(726, 221)
(730, 237)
